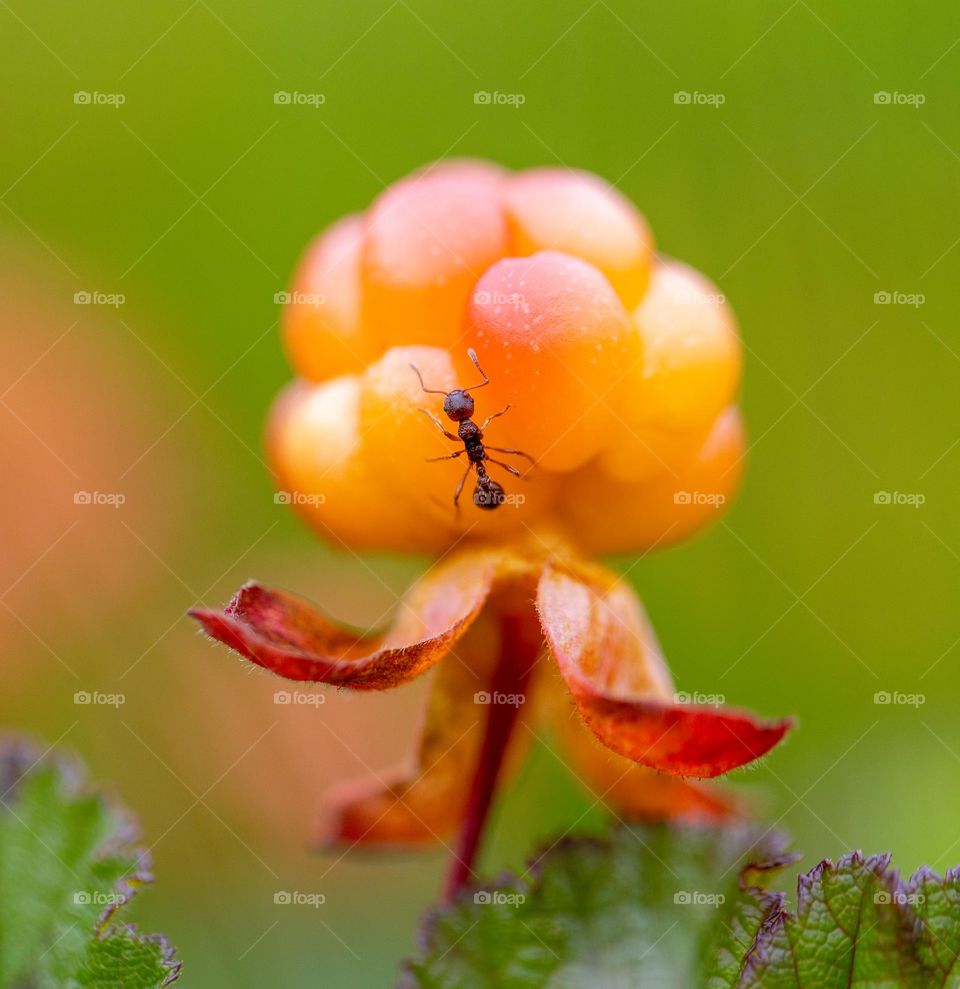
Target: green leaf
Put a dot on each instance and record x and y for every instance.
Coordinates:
(67, 865)
(646, 906)
(857, 924)
(682, 908)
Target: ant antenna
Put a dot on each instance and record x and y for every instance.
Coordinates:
(472, 354)
(429, 391)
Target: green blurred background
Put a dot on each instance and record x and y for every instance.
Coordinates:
(800, 195)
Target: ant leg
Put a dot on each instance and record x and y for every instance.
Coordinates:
(499, 463)
(429, 391)
(439, 425)
(456, 494)
(516, 453)
(496, 415)
(449, 456)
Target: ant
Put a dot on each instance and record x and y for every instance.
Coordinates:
(458, 407)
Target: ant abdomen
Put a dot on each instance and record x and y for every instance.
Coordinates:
(488, 495)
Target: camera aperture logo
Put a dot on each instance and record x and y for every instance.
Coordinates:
(296, 898)
(285, 98)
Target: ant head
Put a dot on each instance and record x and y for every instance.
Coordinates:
(458, 405)
(488, 495)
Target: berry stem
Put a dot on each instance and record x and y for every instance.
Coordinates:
(520, 647)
